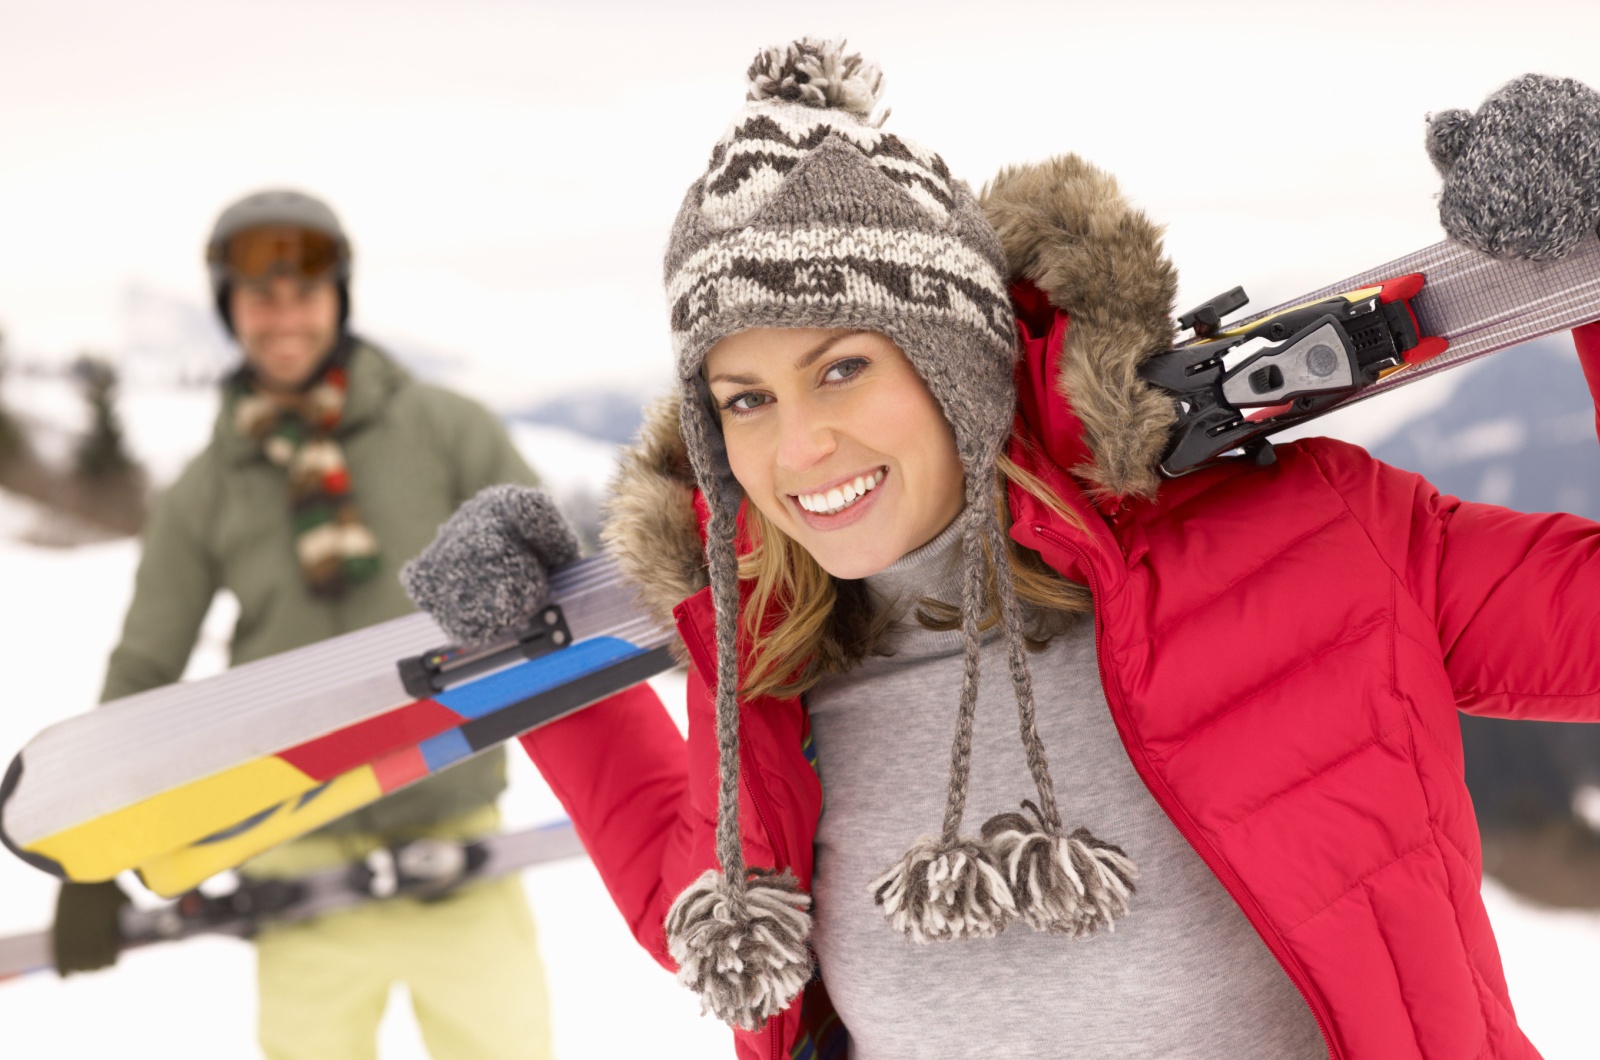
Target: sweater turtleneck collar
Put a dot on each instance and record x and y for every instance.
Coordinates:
(933, 572)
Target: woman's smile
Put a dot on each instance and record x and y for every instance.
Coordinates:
(840, 503)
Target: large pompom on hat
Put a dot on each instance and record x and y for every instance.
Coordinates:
(811, 215)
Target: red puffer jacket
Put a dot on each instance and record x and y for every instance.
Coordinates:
(1283, 649)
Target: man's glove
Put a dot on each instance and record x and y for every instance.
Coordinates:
(1522, 176)
(85, 936)
(487, 569)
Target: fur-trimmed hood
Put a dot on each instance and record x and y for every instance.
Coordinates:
(1067, 230)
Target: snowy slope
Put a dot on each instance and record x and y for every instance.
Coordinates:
(163, 423)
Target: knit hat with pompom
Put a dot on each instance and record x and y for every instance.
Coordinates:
(811, 216)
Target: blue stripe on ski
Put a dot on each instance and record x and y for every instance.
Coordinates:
(444, 749)
(489, 694)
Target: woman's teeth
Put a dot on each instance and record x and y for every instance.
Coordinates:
(840, 497)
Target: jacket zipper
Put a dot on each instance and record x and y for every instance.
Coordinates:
(1180, 819)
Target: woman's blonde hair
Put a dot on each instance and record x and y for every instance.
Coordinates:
(803, 624)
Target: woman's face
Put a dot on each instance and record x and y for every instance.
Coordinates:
(836, 440)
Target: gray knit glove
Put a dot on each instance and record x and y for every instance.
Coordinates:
(1522, 176)
(487, 569)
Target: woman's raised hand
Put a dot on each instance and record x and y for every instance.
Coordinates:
(1522, 175)
(487, 569)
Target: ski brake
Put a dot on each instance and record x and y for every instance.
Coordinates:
(423, 868)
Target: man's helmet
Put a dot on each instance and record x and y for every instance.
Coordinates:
(277, 232)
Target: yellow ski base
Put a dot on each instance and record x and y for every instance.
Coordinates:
(170, 874)
(99, 849)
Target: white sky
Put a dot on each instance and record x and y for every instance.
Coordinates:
(508, 171)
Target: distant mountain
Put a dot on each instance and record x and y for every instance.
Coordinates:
(576, 467)
(609, 415)
(1519, 432)
(169, 338)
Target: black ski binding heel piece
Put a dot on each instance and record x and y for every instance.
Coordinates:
(241, 911)
(1233, 387)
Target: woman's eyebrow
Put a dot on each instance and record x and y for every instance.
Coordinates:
(809, 358)
(806, 360)
(737, 380)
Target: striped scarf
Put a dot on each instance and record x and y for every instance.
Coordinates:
(334, 547)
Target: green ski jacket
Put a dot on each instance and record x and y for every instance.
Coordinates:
(415, 452)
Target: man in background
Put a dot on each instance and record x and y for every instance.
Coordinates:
(328, 468)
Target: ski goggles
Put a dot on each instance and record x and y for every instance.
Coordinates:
(279, 250)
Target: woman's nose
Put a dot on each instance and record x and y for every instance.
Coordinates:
(804, 440)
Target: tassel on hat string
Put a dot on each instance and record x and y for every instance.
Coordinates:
(1072, 885)
(950, 887)
(741, 939)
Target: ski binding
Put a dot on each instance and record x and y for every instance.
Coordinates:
(1235, 386)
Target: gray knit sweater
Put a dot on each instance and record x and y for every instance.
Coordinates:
(1183, 975)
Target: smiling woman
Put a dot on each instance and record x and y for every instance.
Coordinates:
(887, 384)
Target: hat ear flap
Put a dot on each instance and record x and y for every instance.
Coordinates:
(1448, 132)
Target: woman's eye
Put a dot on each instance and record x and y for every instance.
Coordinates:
(746, 402)
(843, 370)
